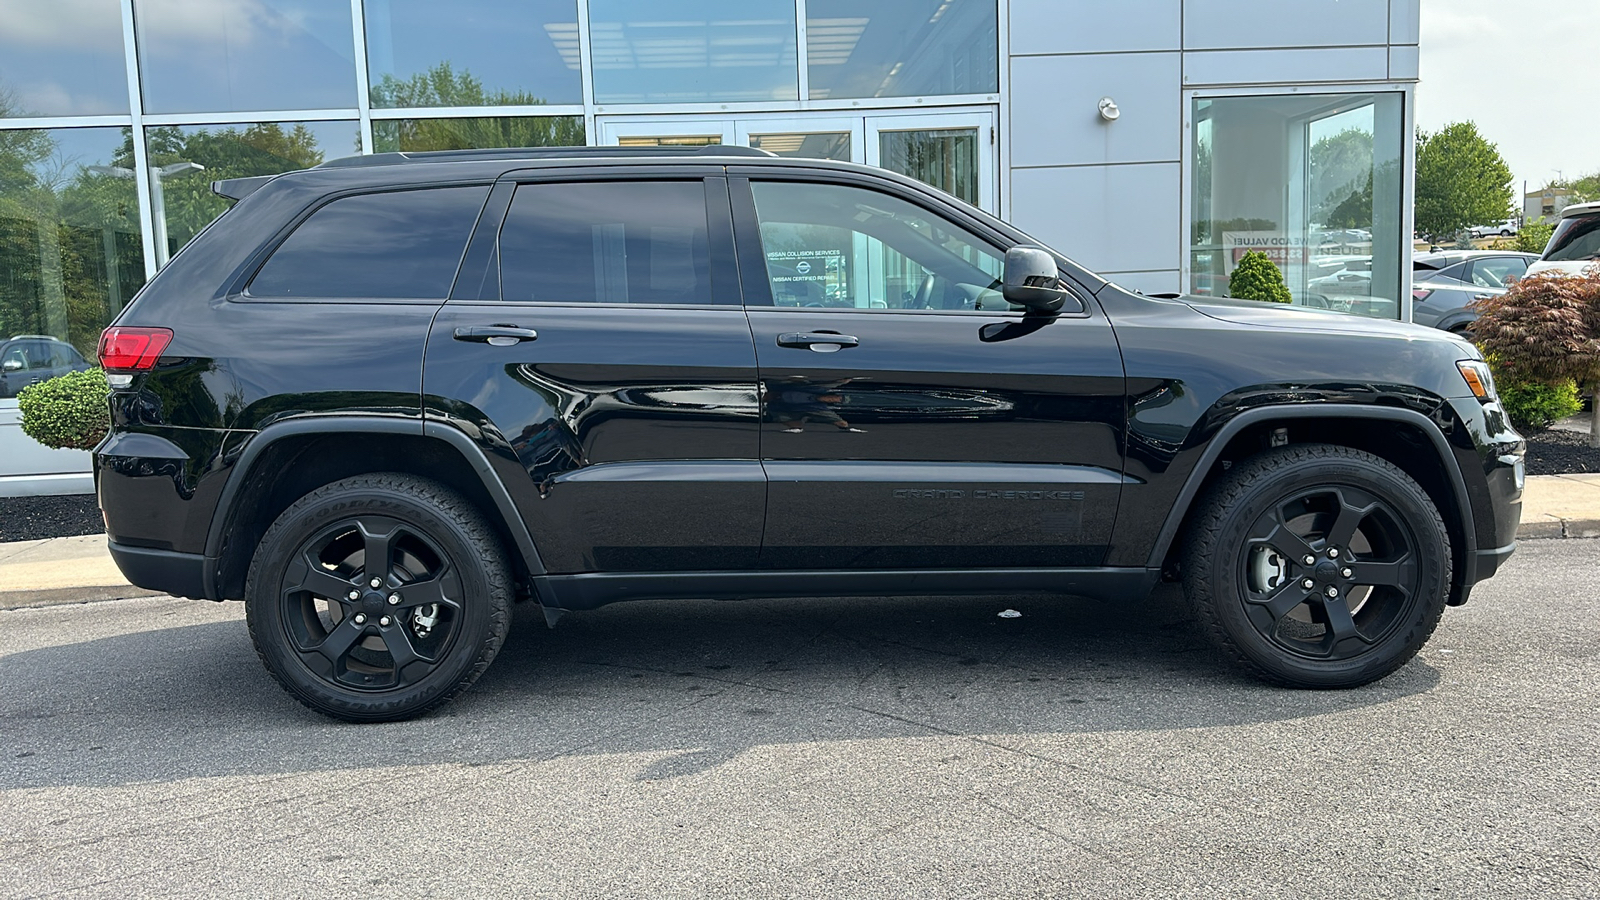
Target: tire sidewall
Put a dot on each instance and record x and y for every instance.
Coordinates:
(328, 507)
(1225, 581)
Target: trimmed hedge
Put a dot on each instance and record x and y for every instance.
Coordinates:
(1532, 406)
(1258, 278)
(70, 411)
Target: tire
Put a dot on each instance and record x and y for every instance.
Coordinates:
(1350, 512)
(424, 634)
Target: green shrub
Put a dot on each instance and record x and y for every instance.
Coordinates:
(1532, 406)
(1257, 278)
(71, 411)
(1532, 237)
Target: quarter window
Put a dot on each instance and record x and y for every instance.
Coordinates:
(397, 245)
(607, 242)
(833, 246)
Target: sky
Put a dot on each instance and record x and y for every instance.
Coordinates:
(1526, 71)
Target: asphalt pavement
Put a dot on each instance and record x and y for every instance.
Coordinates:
(919, 747)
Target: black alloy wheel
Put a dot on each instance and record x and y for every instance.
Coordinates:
(378, 597)
(1318, 566)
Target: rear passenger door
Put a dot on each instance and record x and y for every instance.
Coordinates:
(596, 347)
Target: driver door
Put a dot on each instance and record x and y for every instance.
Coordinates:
(910, 418)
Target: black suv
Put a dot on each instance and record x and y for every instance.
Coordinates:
(382, 399)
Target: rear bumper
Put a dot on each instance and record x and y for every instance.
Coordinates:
(183, 574)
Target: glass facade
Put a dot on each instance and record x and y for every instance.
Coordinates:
(62, 59)
(1313, 181)
(70, 247)
(901, 48)
(682, 51)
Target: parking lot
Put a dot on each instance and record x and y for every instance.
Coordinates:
(902, 748)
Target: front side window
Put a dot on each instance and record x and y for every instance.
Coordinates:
(397, 245)
(1498, 272)
(607, 242)
(832, 246)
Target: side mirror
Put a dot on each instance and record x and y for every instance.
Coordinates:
(1032, 280)
(11, 365)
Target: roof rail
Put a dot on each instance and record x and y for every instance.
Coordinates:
(402, 157)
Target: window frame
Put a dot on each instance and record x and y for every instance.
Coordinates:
(480, 279)
(239, 291)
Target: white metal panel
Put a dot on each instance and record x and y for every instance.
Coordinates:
(1405, 21)
(1112, 218)
(1403, 63)
(29, 467)
(1324, 65)
(1242, 24)
(1163, 282)
(1055, 114)
(1095, 26)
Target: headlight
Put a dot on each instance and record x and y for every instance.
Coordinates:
(1479, 380)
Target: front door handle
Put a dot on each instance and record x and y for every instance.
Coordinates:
(496, 335)
(817, 341)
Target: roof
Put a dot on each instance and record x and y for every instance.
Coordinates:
(240, 188)
(1581, 209)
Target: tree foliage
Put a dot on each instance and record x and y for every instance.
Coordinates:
(1545, 329)
(1258, 278)
(443, 86)
(1532, 237)
(1341, 173)
(1461, 181)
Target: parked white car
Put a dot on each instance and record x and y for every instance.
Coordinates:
(1575, 245)
(1504, 229)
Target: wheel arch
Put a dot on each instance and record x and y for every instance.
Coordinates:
(287, 460)
(1377, 430)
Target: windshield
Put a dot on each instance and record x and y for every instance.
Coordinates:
(1576, 238)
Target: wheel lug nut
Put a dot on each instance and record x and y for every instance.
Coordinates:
(1332, 591)
(1333, 553)
(361, 619)
(1310, 560)
(1346, 572)
(394, 599)
(1308, 584)
(354, 595)
(378, 582)
(384, 621)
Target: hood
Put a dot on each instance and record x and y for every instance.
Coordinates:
(1279, 315)
(1576, 267)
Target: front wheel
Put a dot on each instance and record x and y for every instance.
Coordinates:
(1318, 566)
(378, 597)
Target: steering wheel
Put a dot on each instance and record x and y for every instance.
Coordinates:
(924, 293)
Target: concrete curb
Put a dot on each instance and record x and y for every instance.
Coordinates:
(1558, 528)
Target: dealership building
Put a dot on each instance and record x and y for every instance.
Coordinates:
(1154, 141)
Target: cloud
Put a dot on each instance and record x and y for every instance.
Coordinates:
(71, 24)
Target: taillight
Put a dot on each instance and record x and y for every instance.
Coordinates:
(1420, 294)
(129, 349)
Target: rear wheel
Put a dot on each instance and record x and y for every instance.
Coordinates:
(377, 597)
(1318, 566)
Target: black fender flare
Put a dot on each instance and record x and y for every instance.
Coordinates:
(1219, 441)
(470, 452)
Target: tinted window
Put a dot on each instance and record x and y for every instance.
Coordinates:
(1576, 238)
(609, 242)
(405, 244)
(1457, 272)
(831, 246)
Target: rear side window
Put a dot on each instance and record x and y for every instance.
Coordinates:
(397, 245)
(606, 242)
(1577, 238)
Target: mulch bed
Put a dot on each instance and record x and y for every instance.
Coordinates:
(1561, 453)
(32, 518)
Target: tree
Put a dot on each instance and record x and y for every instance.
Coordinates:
(1461, 181)
(443, 86)
(1546, 330)
(1341, 171)
(1258, 278)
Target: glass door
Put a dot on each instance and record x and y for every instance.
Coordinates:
(811, 138)
(953, 152)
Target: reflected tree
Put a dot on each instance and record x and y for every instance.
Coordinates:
(442, 85)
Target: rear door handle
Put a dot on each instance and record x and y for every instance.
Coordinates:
(496, 335)
(817, 341)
